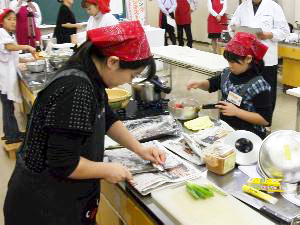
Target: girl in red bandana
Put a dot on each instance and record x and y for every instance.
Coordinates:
(9, 87)
(246, 99)
(100, 16)
(60, 165)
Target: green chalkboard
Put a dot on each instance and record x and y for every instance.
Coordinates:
(49, 9)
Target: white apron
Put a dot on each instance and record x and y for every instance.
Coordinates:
(8, 68)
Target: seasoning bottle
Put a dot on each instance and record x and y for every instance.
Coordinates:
(220, 159)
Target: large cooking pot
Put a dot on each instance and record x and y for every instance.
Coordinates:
(279, 156)
(150, 90)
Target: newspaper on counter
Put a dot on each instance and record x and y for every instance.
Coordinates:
(181, 148)
(152, 128)
(214, 134)
(174, 169)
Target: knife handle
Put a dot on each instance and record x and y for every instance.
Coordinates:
(209, 106)
(274, 215)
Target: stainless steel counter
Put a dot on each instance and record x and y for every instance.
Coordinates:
(231, 183)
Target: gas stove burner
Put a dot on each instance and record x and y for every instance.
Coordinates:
(138, 109)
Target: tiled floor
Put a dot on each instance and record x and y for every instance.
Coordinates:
(284, 117)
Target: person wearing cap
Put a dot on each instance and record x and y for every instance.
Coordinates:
(269, 16)
(9, 86)
(66, 24)
(246, 99)
(167, 8)
(100, 16)
(183, 18)
(56, 178)
(29, 18)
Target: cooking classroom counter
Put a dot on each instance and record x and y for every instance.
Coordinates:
(123, 203)
(30, 84)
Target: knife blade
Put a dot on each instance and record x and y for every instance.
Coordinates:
(262, 208)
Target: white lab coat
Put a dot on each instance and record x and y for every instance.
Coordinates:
(100, 20)
(8, 63)
(37, 15)
(270, 18)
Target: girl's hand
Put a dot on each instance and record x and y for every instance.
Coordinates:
(79, 25)
(31, 50)
(228, 109)
(153, 154)
(116, 172)
(193, 85)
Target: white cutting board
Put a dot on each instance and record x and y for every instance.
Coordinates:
(218, 210)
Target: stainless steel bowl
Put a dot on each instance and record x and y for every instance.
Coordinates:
(279, 156)
(188, 111)
(37, 66)
(58, 61)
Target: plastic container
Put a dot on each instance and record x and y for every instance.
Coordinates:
(220, 159)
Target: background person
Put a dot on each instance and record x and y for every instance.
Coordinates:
(29, 18)
(269, 16)
(216, 21)
(167, 8)
(183, 20)
(9, 85)
(66, 23)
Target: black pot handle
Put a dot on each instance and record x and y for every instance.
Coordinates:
(159, 86)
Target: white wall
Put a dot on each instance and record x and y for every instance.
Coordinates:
(199, 17)
(289, 7)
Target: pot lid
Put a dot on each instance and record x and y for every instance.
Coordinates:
(247, 145)
(279, 156)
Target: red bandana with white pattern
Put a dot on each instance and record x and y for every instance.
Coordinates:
(126, 40)
(243, 44)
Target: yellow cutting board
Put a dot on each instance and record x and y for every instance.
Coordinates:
(218, 210)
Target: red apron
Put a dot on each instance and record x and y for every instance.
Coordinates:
(26, 31)
(213, 26)
(183, 13)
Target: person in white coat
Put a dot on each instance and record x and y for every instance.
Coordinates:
(100, 16)
(9, 88)
(269, 16)
(167, 8)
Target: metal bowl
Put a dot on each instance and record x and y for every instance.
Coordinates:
(188, 111)
(279, 156)
(58, 61)
(37, 66)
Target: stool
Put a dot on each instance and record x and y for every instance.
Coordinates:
(11, 149)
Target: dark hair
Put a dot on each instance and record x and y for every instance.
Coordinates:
(83, 4)
(256, 65)
(60, 1)
(83, 54)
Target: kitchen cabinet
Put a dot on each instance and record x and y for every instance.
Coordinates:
(290, 54)
(117, 207)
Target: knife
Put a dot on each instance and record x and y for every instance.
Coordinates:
(261, 207)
